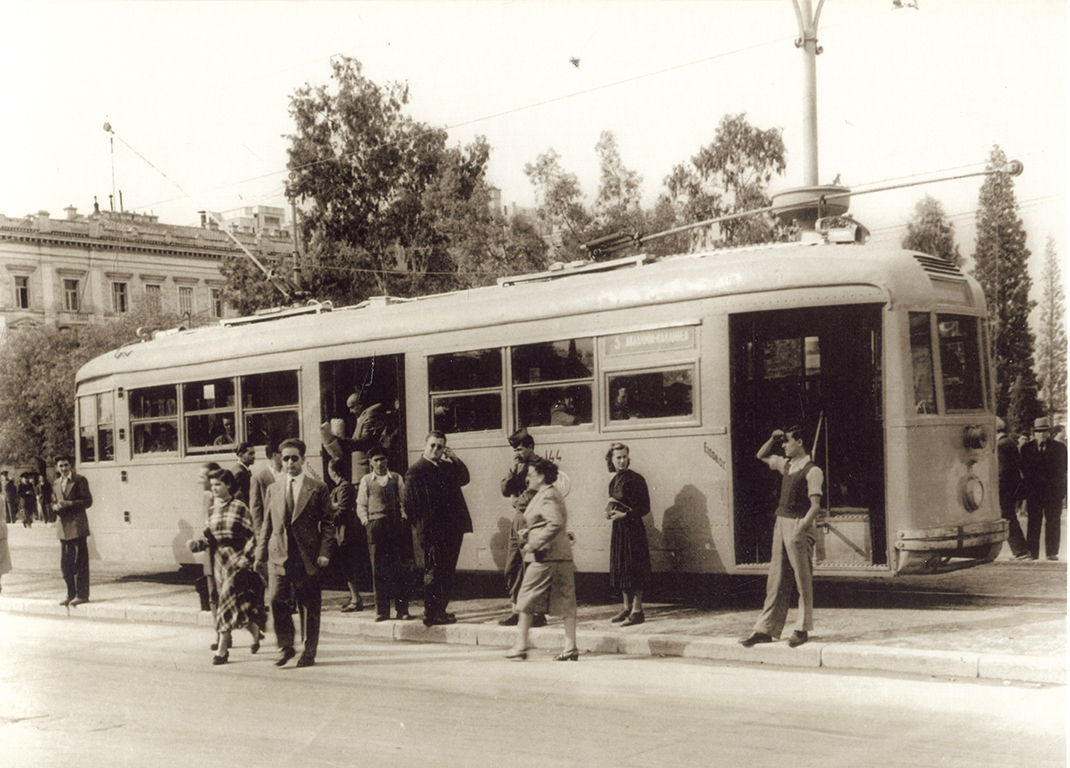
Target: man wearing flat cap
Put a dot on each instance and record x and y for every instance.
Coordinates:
(1044, 477)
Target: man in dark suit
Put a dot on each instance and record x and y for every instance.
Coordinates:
(243, 473)
(433, 500)
(296, 541)
(71, 500)
(1044, 477)
(1010, 482)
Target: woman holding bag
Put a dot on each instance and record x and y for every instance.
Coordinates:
(549, 584)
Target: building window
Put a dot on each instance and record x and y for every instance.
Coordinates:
(119, 300)
(185, 300)
(70, 295)
(22, 292)
(152, 296)
(216, 302)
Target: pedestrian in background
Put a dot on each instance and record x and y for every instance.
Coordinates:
(380, 510)
(549, 585)
(352, 550)
(5, 552)
(629, 552)
(230, 538)
(27, 500)
(1044, 478)
(794, 537)
(242, 471)
(514, 487)
(72, 499)
(1010, 488)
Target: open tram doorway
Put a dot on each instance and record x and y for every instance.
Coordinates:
(362, 401)
(819, 368)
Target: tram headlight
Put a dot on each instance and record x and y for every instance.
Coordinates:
(972, 492)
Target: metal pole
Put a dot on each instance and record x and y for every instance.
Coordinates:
(807, 41)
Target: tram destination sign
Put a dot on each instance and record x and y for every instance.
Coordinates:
(656, 340)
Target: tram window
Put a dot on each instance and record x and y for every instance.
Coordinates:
(269, 390)
(105, 427)
(459, 371)
(960, 362)
(553, 361)
(261, 426)
(270, 406)
(921, 353)
(87, 421)
(209, 410)
(651, 395)
(154, 419)
(563, 406)
(466, 413)
(539, 373)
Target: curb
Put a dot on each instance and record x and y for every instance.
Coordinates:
(837, 656)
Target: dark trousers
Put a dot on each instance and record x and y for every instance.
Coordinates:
(1015, 538)
(1046, 512)
(440, 564)
(74, 564)
(389, 578)
(514, 560)
(285, 590)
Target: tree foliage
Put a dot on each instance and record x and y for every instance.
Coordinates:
(931, 232)
(37, 369)
(559, 201)
(617, 206)
(1051, 339)
(730, 175)
(1000, 265)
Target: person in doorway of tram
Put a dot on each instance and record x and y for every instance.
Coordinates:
(389, 537)
(514, 487)
(352, 552)
(629, 552)
(1010, 487)
(793, 539)
(1044, 478)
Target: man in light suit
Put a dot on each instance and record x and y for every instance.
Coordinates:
(296, 541)
(71, 499)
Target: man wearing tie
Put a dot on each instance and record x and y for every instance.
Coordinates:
(72, 499)
(1044, 477)
(296, 540)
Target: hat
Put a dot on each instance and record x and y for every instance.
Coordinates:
(1000, 424)
(1042, 424)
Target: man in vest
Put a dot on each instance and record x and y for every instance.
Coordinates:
(793, 539)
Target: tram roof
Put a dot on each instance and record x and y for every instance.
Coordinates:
(903, 278)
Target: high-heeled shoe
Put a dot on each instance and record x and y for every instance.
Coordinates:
(622, 616)
(515, 654)
(256, 643)
(573, 655)
(217, 660)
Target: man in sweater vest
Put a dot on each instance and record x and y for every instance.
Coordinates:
(793, 539)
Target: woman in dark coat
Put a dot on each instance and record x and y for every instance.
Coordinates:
(629, 553)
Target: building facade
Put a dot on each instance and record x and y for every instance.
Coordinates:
(89, 269)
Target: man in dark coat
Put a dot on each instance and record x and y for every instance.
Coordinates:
(1044, 478)
(243, 473)
(433, 500)
(1010, 486)
(71, 500)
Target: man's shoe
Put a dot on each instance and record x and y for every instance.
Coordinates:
(797, 638)
(381, 617)
(634, 618)
(79, 601)
(622, 616)
(1024, 556)
(755, 638)
(1053, 557)
(538, 620)
(66, 602)
(305, 660)
(404, 616)
(510, 621)
(445, 618)
(286, 654)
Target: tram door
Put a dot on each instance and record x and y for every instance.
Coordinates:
(818, 368)
(371, 391)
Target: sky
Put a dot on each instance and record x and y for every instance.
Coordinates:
(197, 94)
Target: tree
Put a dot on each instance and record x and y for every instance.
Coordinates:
(1051, 339)
(619, 189)
(559, 201)
(375, 185)
(931, 232)
(37, 369)
(730, 175)
(1000, 262)
(1022, 404)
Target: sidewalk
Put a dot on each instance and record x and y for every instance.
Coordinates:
(923, 626)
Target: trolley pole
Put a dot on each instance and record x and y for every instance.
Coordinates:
(807, 41)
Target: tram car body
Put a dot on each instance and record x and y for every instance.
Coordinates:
(882, 354)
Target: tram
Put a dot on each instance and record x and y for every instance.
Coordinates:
(690, 360)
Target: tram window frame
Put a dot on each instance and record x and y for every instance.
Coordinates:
(923, 363)
(566, 401)
(260, 421)
(87, 428)
(960, 349)
(212, 417)
(478, 387)
(691, 418)
(152, 426)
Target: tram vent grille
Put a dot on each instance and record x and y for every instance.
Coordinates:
(936, 266)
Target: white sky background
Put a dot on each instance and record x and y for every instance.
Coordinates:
(201, 91)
